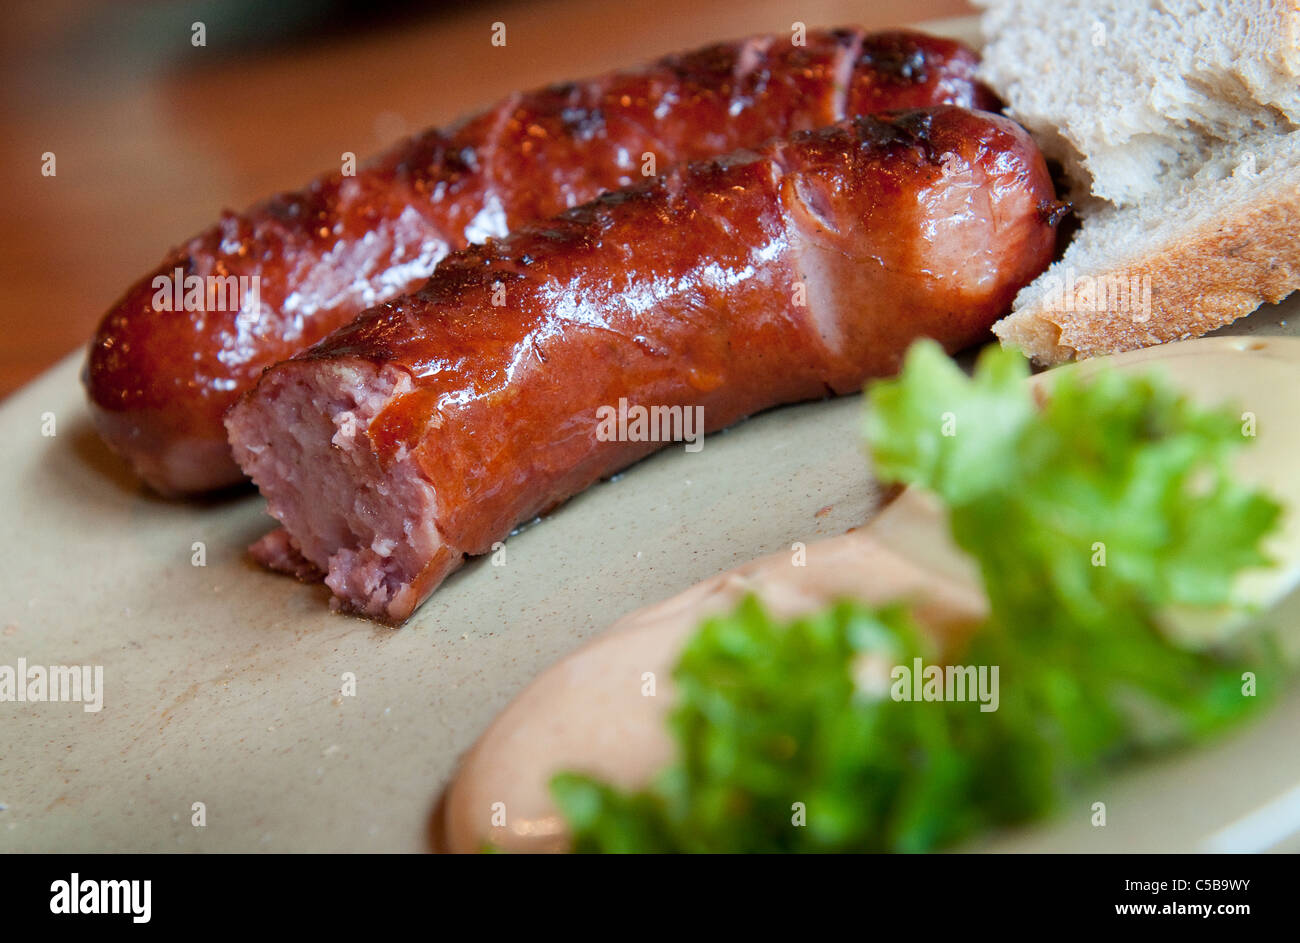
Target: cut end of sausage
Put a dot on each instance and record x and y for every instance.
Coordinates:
(368, 526)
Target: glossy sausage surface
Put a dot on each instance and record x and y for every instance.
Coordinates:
(432, 425)
(159, 381)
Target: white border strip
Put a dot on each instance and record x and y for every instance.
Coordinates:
(1258, 831)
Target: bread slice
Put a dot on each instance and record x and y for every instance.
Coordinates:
(1176, 124)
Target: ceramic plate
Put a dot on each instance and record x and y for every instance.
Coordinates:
(223, 684)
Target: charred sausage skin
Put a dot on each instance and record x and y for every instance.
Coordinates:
(159, 382)
(429, 427)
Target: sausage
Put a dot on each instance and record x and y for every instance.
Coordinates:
(159, 381)
(429, 427)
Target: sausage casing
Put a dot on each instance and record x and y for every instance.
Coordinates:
(432, 425)
(159, 381)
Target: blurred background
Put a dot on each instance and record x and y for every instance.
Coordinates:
(153, 135)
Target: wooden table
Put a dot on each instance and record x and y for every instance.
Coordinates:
(153, 136)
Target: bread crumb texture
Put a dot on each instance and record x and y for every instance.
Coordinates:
(1176, 125)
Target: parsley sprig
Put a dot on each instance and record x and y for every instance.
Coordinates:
(1089, 515)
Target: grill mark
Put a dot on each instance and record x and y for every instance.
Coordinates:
(900, 63)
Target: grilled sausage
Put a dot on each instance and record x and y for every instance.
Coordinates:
(160, 380)
(432, 425)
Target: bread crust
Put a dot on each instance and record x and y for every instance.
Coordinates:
(1201, 280)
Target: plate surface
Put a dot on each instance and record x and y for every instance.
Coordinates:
(222, 684)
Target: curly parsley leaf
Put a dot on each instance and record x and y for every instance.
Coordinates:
(770, 721)
(1116, 493)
